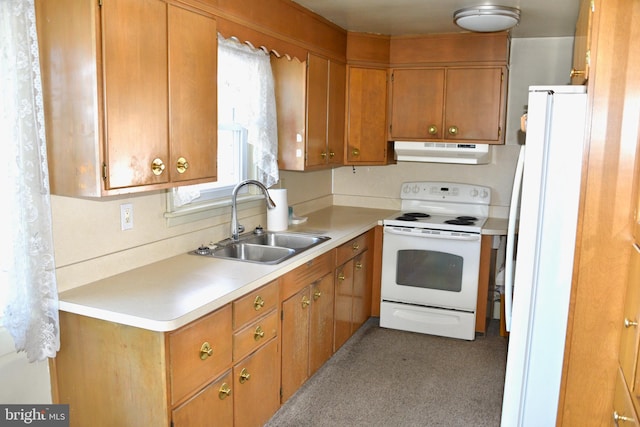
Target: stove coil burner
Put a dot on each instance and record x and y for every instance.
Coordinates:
(462, 220)
(412, 216)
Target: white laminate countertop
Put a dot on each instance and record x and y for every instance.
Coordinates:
(168, 294)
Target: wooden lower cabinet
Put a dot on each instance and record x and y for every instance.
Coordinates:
(307, 322)
(353, 280)
(256, 386)
(213, 406)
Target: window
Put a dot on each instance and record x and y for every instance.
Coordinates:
(247, 133)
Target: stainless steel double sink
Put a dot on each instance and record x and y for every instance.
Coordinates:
(265, 248)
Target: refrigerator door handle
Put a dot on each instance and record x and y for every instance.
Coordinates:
(511, 232)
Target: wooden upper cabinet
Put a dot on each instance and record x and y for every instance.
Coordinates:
(366, 142)
(581, 44)
(129, 91)
(463, 105)
(310, 98)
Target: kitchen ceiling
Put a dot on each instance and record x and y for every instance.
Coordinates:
(539, 18)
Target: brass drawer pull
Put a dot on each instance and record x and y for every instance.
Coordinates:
(629, 323)
(355, 152)
(453, 130)
(258, 303)
(244, 376)
(182, 165)
(433, 129)
(205, 350)
(258, 334)
(356, 246)
(316, 295)
(225, 391)
(341, 276)
(358, 266)
(157, 166)
(617, 417)
(305, 302)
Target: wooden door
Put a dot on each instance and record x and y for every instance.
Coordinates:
(256, 382)
(367, 110)
(473, 104)
(193, 67)
(343, 304)
(337, 93)
(361, 291)
(321, 323)
(417, 101)
(581, 44)
(295, 342)
(134, 37)
(628, 354)
(213, 406)
(317, 100)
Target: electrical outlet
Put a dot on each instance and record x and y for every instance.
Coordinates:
(126, 216)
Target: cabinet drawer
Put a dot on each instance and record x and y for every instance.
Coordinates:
(199, 352)
(215, 402)
(306, 274)
(255, 304)
(352, 248)
(624, 413)
(254, 335)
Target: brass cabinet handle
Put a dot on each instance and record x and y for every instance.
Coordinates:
(617, 417)
(205, 350)
(182, 165)
(305, 302)
(432, 129)
(316, 295)
(224, 391)
(576, 73)
(341, 276)
(629, 323)
(258, 334)
(358, 266)
(331, 154)
(355, 152)
(356, 246)
(258, 303)
(453, 130)
(323, 155)
(157, 166)
(244, 376)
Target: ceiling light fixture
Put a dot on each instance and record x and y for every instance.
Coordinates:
(487, 18)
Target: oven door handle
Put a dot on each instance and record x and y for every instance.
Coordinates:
(465, 237)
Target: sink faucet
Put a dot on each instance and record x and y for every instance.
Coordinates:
(236, 229)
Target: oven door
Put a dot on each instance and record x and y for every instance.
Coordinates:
(431, 268)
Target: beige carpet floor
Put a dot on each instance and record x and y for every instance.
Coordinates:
(385, 377)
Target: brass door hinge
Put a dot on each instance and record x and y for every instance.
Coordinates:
(104, 171)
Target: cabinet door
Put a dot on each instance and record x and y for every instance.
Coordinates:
(343, 304)
(256, 382)
(193, 51)
(134, 37)
(317, 99)
(295, 342)
(474, 104)
(624, 414)
(628, 354)
(581, 44)
(361, 291)
(321, 323)
(416, 104)
(335, 124)
(367, 111)
(213, 406)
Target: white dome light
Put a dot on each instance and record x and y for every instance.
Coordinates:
(487, 18)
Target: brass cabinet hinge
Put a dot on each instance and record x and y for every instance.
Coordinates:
(104, 171)
(99, 3)
(593, 6)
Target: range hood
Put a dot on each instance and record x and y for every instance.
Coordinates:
(440, 152)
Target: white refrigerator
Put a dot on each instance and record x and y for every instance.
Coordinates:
(547, 183)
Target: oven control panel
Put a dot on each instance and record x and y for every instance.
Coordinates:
(446, 191)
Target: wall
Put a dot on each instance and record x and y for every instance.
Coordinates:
(379, 186)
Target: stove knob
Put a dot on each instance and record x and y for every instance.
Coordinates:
(485, 194)
(474, 193)
(416, 188)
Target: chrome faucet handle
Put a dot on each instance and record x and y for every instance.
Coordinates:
(240, 228)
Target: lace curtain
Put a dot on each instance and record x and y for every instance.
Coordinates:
(245, 80)
(28, 291)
